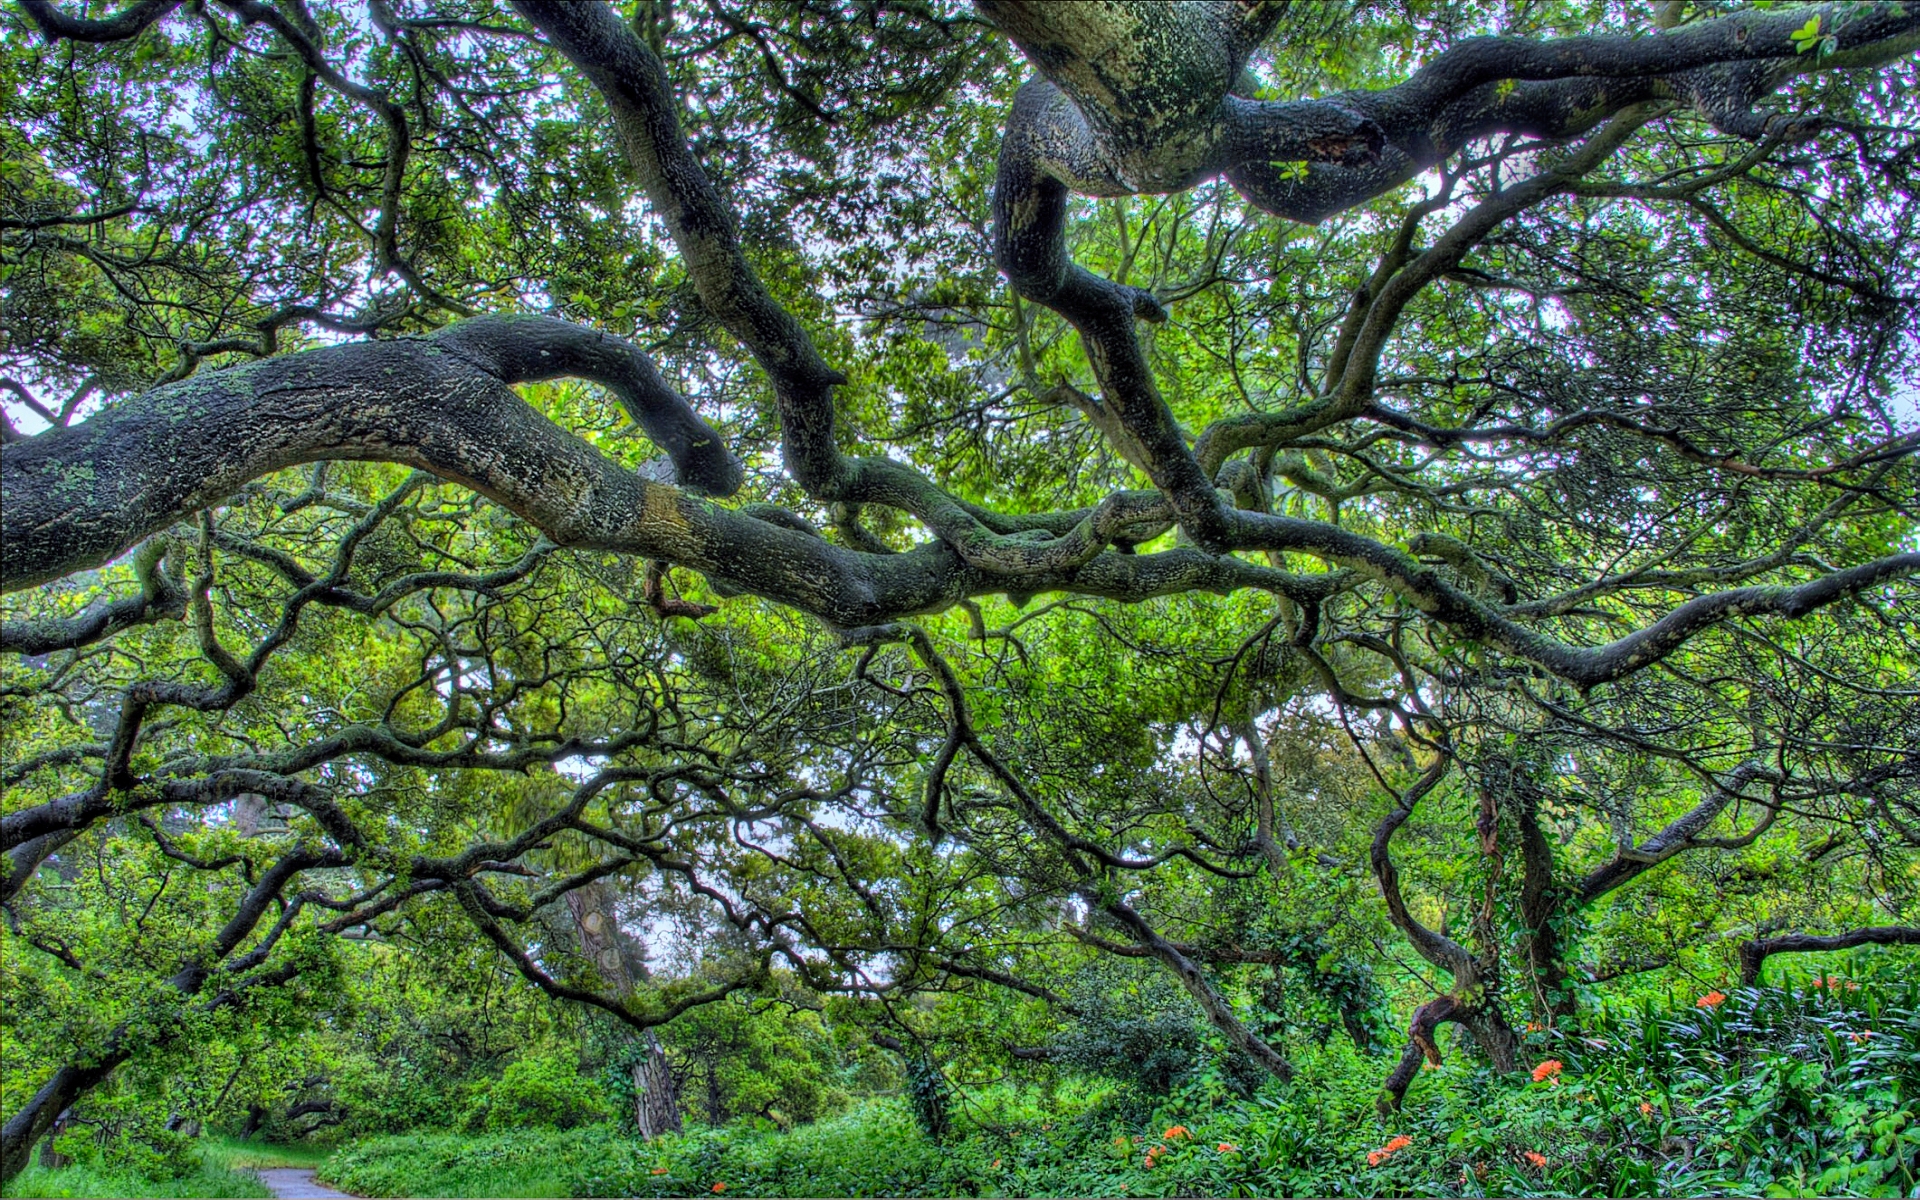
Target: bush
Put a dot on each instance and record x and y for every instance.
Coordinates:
(530, 1162)
(1133, 1026)
(540, 1092)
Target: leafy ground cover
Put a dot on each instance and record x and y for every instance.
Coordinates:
(88, 1179)
(214, 1165)
(1808, 1089)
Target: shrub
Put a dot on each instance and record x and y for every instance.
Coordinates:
(536, 1092)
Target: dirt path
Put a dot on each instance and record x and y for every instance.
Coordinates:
(296, 1183)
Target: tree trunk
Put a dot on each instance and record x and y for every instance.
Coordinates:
(656, 1102)
(1541, 902)
(51, 1159)
(622, 962)
(38, 1116)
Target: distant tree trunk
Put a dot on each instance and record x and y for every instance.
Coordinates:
(656, 1106)
(51, 1159)
(622, 962)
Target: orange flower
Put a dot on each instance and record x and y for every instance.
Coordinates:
(1646, 1108)
(1817, 983)
(1711, 1000)
(719, 1187)
(1376, 1157)
(1536, 1158)
(1178, 1131)
(1535, 1027)
(996, 1164)
(1547, 1070)
(658, 1171)
(1857, 1038)
(1229, 1148)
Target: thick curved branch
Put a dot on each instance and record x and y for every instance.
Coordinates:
(79, 496)
(1721, 68)
(129, 22)
(634, 83)
(1754, 954)
(161, 598)
(625, 71)
(1679, 835)
(76, 497)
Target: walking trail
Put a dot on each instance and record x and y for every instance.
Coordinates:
(296, 1183)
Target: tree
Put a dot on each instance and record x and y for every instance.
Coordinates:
(1526, 407)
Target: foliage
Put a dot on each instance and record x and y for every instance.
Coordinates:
(545, 1091)
(1771, 1092)
(87, 1181)
(1131, 1024)
(535, 532)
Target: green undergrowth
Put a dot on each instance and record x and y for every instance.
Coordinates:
(88, 1179)
(527, 1162)
(240, 1154)
(1794, 1090)
(213, 1165)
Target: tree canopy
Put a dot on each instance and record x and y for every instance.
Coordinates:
(895, 500)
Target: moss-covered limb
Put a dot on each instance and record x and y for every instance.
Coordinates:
(161, 598)
(76, 497)
(1754, 954)
(621, 66)
(1683, 833)
(1141, 94)
(1583, 666)
(80, 495)
(1720, 68)
(1135, 98)
(128, 22)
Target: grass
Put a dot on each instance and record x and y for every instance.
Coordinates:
(89, 1180)
(227, 1166)
(235, 1154)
